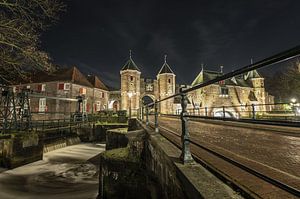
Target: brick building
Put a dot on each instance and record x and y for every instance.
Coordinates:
(237, 93)
(54, 95)
(241, 92)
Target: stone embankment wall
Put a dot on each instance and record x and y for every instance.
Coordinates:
(143, 164)
(21, 148)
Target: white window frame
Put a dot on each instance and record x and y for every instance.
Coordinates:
(42, 105)
(67, 86)
(98, 105)
(43, 87)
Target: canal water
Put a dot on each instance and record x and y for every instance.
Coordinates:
(70, 172)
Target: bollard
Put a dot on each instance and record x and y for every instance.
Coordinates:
(253, 111)
(142, 113)
(156, 116)
(147, 116)
(223, 108)
(186, 155)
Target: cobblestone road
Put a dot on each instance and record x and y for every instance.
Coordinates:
(273, 153)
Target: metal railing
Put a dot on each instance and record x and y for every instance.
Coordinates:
(184, 113)
(65, 123)
(273, 111)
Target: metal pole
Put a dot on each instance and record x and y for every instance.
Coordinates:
(156, 116)
(186, 155)
(253, 111)
(147, 115)
(223, 111)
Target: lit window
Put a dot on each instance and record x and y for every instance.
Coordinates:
(82, 91)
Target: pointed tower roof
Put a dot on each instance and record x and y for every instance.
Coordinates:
(199, 78)
(130, 65)
(165, 68)
(252, 74)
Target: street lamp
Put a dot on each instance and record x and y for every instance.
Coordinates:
(293, 100)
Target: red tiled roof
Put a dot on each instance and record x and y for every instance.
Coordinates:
(64, 74)
(96, 82)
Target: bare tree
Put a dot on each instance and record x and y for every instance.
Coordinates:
(21, 25)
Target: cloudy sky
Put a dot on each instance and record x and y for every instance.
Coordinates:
(96, 35)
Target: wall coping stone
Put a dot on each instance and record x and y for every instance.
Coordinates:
(196, 181)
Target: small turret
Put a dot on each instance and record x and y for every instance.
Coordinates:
(166, 86)
(130, 86)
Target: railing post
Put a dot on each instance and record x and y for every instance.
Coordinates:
(142, 113)
(156, 116)
(186, 155)
(223, 108)
(253, 111)
(147, 115)
(206, 112)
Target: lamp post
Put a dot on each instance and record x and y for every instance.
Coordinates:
(294, 106)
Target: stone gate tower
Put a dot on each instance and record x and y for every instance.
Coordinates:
(166, 87)
(258, 88)
(130, 86)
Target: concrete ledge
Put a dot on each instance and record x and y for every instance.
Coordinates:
(193, 179)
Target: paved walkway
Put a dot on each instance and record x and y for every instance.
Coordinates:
(65, 173)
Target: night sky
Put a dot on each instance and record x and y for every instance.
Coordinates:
(96, 35)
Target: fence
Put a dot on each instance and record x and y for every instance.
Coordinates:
(253, 112)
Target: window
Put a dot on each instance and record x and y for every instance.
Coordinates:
(98, 106)
(131, 78)
(169, 80)
(67, 86)
(64, 86)
(103, 95)
(82, 91)
(41, 87)
(28, 86)
(61, 86)
(224, 92)
(42, 104)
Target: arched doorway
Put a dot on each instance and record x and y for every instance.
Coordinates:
(221, 114)
(115, 106)
(146, 99)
